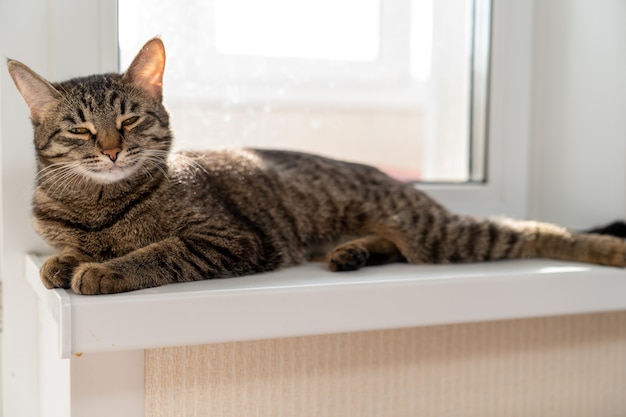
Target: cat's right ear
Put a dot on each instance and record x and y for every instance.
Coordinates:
(146, 70)
(36, 91)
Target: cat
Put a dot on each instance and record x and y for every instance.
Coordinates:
(125, 214)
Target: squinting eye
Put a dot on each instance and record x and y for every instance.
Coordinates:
(130, 121)
(79, 130)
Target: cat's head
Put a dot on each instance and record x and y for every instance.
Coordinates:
(101, 128)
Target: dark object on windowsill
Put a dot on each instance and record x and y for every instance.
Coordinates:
(617, 229)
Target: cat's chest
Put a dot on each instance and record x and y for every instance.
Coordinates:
(126, 235)
(104, 236)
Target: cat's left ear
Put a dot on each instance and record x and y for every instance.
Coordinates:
(146, 70)
(36, 91)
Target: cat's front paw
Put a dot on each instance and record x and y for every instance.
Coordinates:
(57, 271)
(95, 278)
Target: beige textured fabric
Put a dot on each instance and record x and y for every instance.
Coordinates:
(560, 366)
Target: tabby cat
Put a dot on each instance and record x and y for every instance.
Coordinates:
(124, 214)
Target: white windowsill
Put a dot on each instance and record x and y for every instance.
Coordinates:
(309, 300)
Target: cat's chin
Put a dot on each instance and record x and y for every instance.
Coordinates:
(111, 175)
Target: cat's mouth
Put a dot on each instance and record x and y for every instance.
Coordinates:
(109, 172)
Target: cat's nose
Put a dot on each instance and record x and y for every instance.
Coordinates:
(112, 153)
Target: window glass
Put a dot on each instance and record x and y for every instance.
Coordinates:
(316, 30)
(396, 84)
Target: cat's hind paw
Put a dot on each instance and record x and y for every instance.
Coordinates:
(95, 278)
(348, 257)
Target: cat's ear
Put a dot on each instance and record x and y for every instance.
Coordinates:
(36, 91)
(146, 70)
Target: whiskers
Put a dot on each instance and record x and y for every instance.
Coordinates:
(60, 178)
(161, 160)
(76, 176)
(153, 159)
(187, 161)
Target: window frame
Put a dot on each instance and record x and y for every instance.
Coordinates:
(508, 124)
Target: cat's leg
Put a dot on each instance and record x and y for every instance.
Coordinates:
(179, 259)
(467, 239)
(449, 238)
(151, 266)
(56, 272)
(368, 250)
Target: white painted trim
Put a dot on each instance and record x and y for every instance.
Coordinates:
(54, 374)
(310, 300)
(20, 388)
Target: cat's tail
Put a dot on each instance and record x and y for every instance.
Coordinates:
(545, 240)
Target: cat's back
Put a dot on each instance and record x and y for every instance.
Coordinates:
(260, 180)
(290, 167)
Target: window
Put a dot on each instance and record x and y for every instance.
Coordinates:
(396, 84)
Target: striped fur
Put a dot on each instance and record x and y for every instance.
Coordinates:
(124, 214)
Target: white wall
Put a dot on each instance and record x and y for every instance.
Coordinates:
(578, 157)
